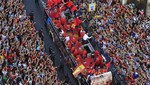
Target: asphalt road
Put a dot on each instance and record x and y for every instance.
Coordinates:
(38, 10)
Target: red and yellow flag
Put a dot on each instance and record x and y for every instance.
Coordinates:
(78, 69)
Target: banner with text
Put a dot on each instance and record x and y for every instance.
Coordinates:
(102, 79)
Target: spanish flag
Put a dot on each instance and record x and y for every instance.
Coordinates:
(78, 69)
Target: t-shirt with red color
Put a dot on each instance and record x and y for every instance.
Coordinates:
(9, 57)
(77, 21)
(73, 49)
(96, 53)
(50, 3)
(52, 14)
(57, 14)
(12, 76)
(84, 53)
(73, 9)
(79, 59)
(78, 44)
(56, 2)
(99, 60)
(23, 43)
(80, 51)
(69, 4)
(67, 27)
(82, 34)
(75, 53)
(63, 20)
(58, 25)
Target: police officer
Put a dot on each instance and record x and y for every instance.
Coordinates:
(61, 66)
(31, 16)
(36, 1)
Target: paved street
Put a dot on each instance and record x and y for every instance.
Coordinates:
(39, 19)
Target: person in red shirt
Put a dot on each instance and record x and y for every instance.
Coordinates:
(73, 9)
(84, 54)
(96, 53)
(79, 59)
(82, 33)
(69, 4)
(73, 49)
(50, 3)
(77, 21)
(99, 61)
(63, 21)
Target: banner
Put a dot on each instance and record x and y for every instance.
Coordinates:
(102, 79)
(92, 7)
(98, 16)
(78, 69)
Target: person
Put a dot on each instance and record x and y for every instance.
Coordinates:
(41, 35)
(36, 1)
(61, 66)
(86, 37)
(31, 14)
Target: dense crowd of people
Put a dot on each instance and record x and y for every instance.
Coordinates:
(122, 31)
(22, 57)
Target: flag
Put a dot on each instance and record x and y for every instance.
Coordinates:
(49, 20)
(92, 7)
(108, 64)
(78, 69)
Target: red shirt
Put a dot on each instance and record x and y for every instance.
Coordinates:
(84, 53)
(76, 52)
(99, 60)
(56, 2)
(82, 34)
(69, 4)
(77, 21)
(73, 9)
(63, 20)
(50, 3)
(73, 49)
(96, 53)
(79, 59)
(52, 14)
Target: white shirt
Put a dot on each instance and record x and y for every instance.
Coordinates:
(67, 38)
(62, 32)
(24, 66)
(20, 83)
(3, 36)
(85, 37)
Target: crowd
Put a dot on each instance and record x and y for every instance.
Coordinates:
(122, 31)
(22, 57)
